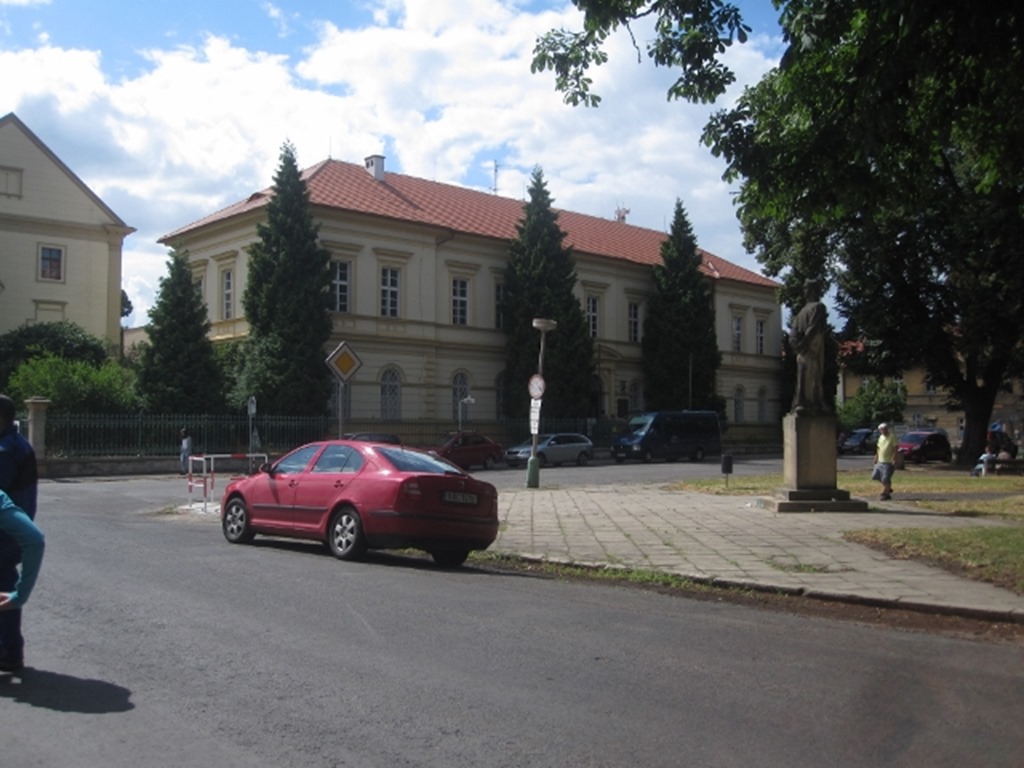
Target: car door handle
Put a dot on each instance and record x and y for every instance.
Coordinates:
(339, 483)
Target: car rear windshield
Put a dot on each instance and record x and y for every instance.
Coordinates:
(405, 460)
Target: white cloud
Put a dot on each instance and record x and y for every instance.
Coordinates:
(443, 88)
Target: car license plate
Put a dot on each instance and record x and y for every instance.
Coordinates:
(459, 497)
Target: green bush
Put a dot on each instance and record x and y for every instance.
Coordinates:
(75, 386)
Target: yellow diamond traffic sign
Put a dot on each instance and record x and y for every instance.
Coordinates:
(343, 362)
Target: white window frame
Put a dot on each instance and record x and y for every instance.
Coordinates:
(593, 304)
(45, 257)
(390, 291)
(737, 333)
(227, 294)
(391, 394)
(341, 286)
(460, 301)
(633, 324)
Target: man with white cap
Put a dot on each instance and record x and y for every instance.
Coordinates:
(885, 460)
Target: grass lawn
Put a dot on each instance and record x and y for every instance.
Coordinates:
(994, 555)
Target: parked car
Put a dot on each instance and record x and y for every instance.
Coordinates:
(556, 449)
(669, 435)
(925, 446)
(469, 449)
(355, 496)
(373, 437)
(860, 441)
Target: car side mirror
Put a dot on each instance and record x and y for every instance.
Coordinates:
(266, 469)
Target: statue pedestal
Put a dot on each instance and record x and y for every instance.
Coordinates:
(809, 468)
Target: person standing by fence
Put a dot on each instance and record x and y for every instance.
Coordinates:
(19, 479)
(186, 449)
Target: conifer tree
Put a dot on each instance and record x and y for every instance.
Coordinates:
(178, 372)
(286, 304)
(680, 349)
(539, 282)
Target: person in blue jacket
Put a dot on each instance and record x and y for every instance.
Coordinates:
(31, 542)
(19, 479)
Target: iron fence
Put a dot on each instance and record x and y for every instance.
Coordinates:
(93, 435)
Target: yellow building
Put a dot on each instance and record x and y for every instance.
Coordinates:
(418, 270)
(60, 245)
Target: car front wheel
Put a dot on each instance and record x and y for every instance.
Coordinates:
(582, 459)
(236, 525)
(345, 535)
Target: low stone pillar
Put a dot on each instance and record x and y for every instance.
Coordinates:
(809, 455)
(37, 424)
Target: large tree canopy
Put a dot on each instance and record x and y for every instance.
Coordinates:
(680, 348)
(539, 282)
(286, 303)
(886, 154)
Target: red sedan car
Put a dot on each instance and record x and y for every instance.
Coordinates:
(355, 496)
(470, 449)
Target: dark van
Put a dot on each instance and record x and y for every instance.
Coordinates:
(669, 435)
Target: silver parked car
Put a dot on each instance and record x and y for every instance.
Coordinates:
(556, 449)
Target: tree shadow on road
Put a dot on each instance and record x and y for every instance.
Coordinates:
(65, 693)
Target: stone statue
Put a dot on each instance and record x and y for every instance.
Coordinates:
(807, 336)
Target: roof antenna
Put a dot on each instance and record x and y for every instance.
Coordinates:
(494, 189)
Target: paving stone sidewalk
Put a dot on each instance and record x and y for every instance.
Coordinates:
(729, 540)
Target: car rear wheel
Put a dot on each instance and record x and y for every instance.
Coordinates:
(582, 459)
(698, 455)
(450, 558)
(345, 536)
(542, 459)
(648, 457)
(236, 526)
(489, 462)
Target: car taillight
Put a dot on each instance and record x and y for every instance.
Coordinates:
(411, 488)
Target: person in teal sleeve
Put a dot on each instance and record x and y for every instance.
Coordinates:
(19, 526)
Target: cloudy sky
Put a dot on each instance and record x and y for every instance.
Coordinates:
(171, 110)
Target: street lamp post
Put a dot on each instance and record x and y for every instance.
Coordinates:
(537, 392)
(467, 400)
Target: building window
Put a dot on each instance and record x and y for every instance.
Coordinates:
(499, 305)
(593, 308)
(227, 293)
(340, 286)
(737, 334)
(929, 385)
(759, 336)
(737, 405)
(460, 301)
(460, 391)
(390, 395)
(633, 322)
(389, 292)
(10, 182)
(51, 263)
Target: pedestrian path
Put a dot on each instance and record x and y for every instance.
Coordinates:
(731, 541)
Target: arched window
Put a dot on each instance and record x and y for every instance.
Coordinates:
(762, 404)
(460, 391)
(737, 405)
(391, 394)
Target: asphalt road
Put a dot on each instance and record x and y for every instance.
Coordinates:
(153, 642)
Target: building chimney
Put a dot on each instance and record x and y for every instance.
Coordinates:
(375, 165)
(621, 214)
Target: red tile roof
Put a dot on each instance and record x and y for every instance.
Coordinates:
(350, 187)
